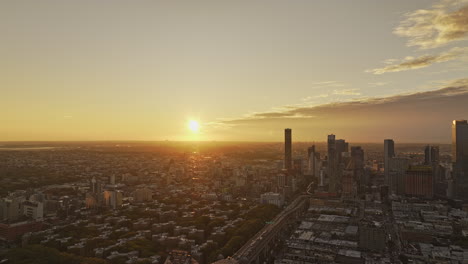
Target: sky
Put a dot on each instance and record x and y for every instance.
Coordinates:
(364, 70)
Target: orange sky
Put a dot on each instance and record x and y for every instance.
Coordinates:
(245, 70)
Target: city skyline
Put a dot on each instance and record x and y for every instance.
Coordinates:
(234, 132)
(187, 71)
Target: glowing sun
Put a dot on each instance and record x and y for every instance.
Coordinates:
(194, 126)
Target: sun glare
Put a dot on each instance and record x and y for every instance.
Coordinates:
(194, 126)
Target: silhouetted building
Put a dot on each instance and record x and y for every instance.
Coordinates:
(349, 181)
(341, 146)
(460, 158)
(313, 160)
(397, 170)
(419, 181)
(357, 157)
(288, 149)
(460, 147)
(459, 140)
(441, 184)
(431, 155)
(389, 152)
(335, 163)
(331, 162)
(357, 154)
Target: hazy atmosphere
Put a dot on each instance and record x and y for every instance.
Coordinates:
(234, 132)
(242, 70)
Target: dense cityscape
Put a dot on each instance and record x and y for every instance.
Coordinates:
(234, 132)
(333, 202)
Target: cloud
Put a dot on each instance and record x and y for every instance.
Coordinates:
(376, 84)
(347, 92)
(451, 88)
(308, 98)
(342, 92)
(327, 84)
(413, 117)
(445, 22)
(411, 63)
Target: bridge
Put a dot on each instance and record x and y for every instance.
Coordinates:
(261, 247)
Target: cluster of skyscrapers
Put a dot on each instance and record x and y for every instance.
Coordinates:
(430, 178)
(341, 171)
(344, 172)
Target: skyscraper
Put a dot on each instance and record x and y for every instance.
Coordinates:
(460, 141)
(288, 149)
(357, 154)
(331, 163)
(431, 155)
(341, 146)
(313, 159)
(357, 164)
(389, 152)
(460, 157)
(310, 151)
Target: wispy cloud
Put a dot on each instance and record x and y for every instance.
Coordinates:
(339, 92)
(327, 84)
(377, 84)
(308, 98)
(411, 63)
(448, 89)
(445, 22)
(401, 116)
(347, 92)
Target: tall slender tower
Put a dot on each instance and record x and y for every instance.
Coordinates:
(340, 146)
(357, 159)
(288, 149)
(389, 152)
(311, 160)
(460, 147)
(331, 162)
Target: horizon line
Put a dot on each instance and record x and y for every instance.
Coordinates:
(202, 141)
